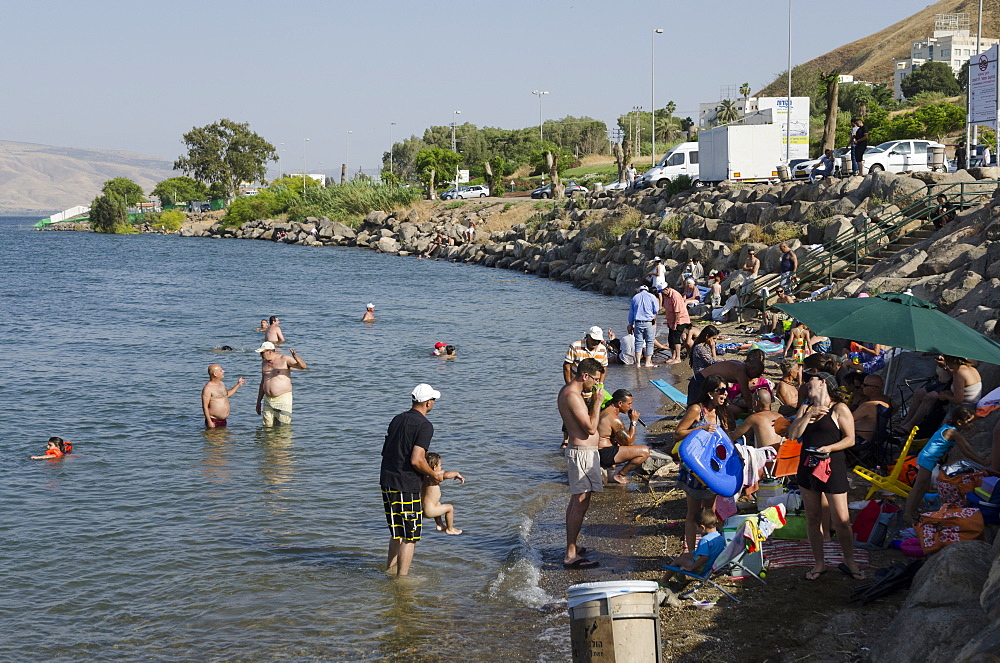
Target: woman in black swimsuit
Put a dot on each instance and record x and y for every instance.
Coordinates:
(825, 426)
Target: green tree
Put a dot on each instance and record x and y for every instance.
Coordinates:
(179, 189)
(939, 120)
(225, 153)
(108, 214)
(125, 189)
(435, 164)
(931, 77)
(727, 111)
(745, 93)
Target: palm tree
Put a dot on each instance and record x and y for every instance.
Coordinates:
(671, 107)
(745, 93)
(727, 111)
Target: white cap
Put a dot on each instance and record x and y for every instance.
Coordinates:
(643, 287)
(596, 333)
(657, 259)
(370, 305)
(266, 345)
(424, 392)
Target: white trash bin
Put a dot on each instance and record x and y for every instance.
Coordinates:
(615, 621)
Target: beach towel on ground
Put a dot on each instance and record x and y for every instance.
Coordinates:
(787, 554)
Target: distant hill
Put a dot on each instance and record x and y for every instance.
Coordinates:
(870, 58)
(41, 179)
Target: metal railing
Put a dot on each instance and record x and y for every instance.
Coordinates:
(883, 229)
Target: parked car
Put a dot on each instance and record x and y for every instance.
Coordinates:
(463, 191)
(802, 169)
(571, 187)
(620, 185)
(897, 156)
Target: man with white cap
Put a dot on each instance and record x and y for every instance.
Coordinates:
(275, 390)
(369, 315)
(642, 324)
(404, 464)
(591, 346)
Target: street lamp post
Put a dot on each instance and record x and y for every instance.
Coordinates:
(304, 167)
(539, 93)
(347, 153)
(391, 125)
(652, 90)
(281, 149)
(454, 144)
(788, 104)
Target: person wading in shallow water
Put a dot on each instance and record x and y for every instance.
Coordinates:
(275, 390)
(404, 464)
(215, 397)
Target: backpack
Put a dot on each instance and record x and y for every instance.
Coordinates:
(877, 525)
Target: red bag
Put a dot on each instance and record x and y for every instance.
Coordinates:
(949, 525)
(866, 519)
(952, 490)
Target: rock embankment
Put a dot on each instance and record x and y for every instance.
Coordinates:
(606, 241)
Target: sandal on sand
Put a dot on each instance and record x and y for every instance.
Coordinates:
(846, 570)
(813, 576)
(581, 564)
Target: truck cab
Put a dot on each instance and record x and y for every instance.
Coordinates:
(681, 160)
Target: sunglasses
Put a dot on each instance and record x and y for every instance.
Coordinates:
(722, 390)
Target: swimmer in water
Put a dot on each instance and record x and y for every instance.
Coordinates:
(369, 315)
(56, 448)
(263, 325)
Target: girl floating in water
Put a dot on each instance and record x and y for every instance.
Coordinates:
(56, 448)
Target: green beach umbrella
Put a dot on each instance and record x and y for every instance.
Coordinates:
(896, 320)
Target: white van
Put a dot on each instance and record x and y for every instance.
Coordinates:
(681, 160)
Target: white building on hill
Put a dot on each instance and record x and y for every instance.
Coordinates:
(952, 43)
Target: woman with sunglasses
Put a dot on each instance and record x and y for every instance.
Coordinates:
(825, 426)
(707, 413)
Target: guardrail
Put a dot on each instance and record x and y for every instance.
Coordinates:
(884, 228)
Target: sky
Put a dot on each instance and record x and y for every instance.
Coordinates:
(137, 75)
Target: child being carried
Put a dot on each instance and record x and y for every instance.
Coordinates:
(430, 498)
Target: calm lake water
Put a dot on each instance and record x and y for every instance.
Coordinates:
(158, 540)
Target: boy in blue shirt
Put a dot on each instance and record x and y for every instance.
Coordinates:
(709, 547)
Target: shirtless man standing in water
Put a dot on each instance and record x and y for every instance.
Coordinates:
(273, 332)
(276, 384)
(583, 463)
(215, 397)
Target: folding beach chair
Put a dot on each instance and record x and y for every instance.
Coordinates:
(673, 393)
(891, 482)
(733, 559)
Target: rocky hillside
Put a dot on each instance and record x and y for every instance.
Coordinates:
(40, 179)
(871, 58)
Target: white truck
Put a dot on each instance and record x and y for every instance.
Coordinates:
(743, 153)
(680, 160)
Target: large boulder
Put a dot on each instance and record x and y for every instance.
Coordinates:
(941, 613)
(387, 245)
(892, 188)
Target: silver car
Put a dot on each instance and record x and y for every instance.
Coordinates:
(462, 192)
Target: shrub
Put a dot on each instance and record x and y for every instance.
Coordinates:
(108, 215)
(455, 204)
(671, 225)
(251, 208)
(678, 184)
(170, 219)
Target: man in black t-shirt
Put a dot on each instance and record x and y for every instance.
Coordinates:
(860, 144)
(404, 463)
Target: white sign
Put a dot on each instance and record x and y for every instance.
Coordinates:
(794, 125)
(463, 177)
(983, 88)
